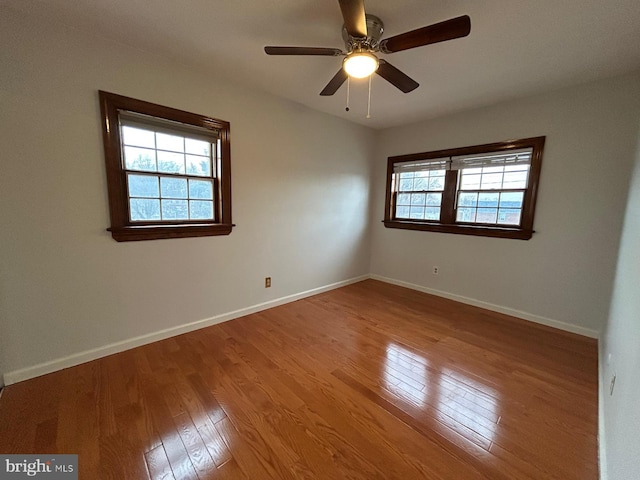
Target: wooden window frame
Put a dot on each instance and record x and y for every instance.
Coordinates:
(122, 228)
(447, 223)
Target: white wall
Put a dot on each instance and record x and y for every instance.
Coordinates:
(620, 431)
(300, 188)
(563, 276)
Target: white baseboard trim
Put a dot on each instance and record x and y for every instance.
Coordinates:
(99, 352)
(567, 327)
(602, 443)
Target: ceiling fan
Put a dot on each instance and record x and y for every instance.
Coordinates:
(361, 34)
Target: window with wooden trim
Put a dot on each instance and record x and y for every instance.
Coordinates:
(168, 171)
(487, 190)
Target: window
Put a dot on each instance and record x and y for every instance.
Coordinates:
(168, 171)
(487, 190)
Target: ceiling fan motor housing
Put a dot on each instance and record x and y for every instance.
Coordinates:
(375, 28)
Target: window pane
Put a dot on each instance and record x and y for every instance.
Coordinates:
(201, 189)
(418, 198)
(488, 199)
(434, 199)
(421, 183)
(515, 179)
(199, 209)
(173, 188)
(169, 142)
(509, 216)
(432, 213)
(406, 175)
(406, 184)
(170, 162)
(144, 209)
(417, 213)
(470, 182)
(511, 199)
(197, 165)
(175, 210)
(404, 199)
(197, 147)
(402, 212)
(468, 199)
(138, 137)
(142, 159)
(436, 183)
(466, 214)
(143, 186)
(487, 215)
(491, 181)
(493, 169)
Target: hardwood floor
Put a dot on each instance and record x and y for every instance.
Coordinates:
(370, 381)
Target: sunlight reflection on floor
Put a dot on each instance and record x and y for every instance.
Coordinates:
(458, 401)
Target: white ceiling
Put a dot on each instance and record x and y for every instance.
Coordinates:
(516, 47)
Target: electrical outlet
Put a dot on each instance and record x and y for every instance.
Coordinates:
(436, 270)
(613, 384)
(267, 282)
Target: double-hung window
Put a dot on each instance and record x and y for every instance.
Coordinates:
(491, 187)
(167, 171)
(419, 189)
(487, 190)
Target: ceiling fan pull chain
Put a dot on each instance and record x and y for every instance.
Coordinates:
(369, 101)
(348, 84)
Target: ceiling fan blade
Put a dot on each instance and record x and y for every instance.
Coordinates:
(330, 52)
(395, 77)
(438, 32)
(355, 19)
(334, 84)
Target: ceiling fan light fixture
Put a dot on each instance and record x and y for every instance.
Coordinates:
(360, 64)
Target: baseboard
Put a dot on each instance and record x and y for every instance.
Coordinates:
(602, 444)
(567, 327)
(93, 354)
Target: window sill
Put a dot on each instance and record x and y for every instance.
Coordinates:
(482, 231)
(157, 232)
